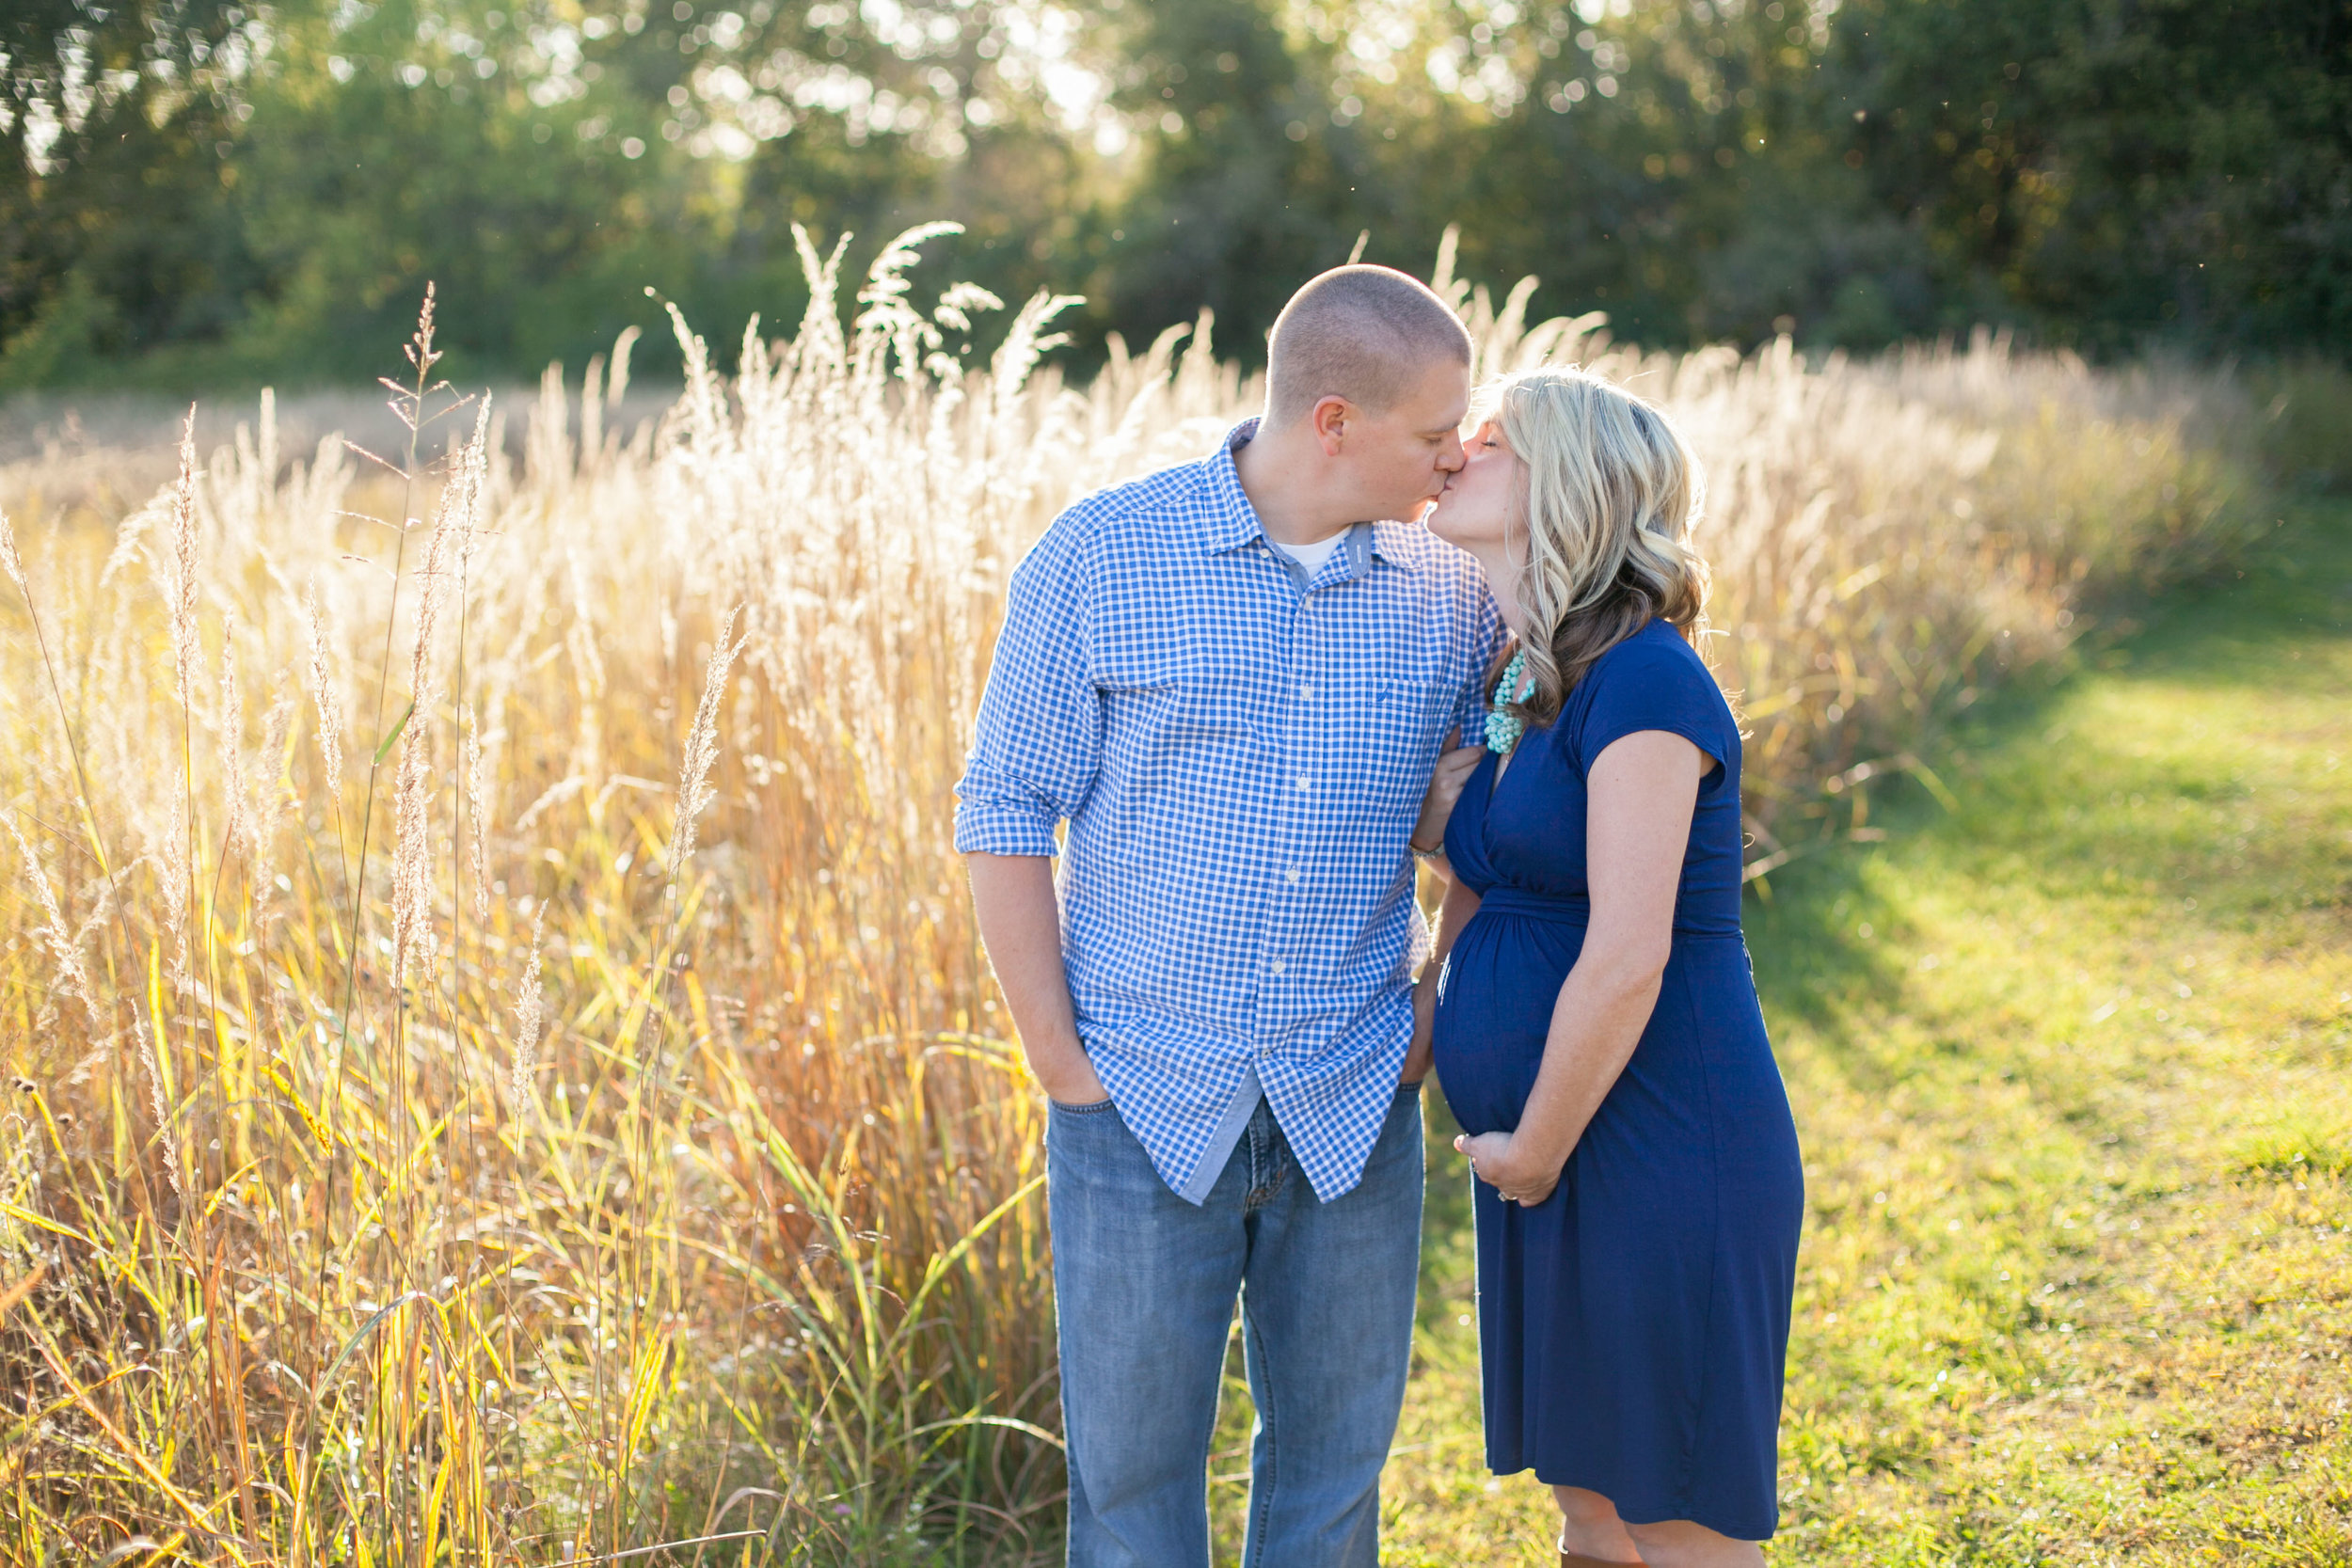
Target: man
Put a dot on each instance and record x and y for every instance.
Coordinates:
(1232, 687)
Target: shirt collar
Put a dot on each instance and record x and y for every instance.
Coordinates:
(1233, 522)
(1388, 543)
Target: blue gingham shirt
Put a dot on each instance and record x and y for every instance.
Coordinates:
(1240, 761)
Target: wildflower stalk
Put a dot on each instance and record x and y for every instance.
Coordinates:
(12, 562)
(408, 404)
(183, 650)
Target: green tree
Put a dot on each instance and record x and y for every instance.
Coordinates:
(1244, 187)
(2112, 171)
(198, 189)
(113, 120)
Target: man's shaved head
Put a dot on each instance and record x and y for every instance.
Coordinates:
(1366, 334)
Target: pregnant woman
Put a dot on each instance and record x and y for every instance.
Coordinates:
(1637, 1185)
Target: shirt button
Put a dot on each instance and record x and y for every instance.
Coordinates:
(1307, 693)
(1276, 966)
(1302, 782)
(1291, 872)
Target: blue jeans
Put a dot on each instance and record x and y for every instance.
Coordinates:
(1144, 1285)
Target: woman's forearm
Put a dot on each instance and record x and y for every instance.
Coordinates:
(1453, 912)
(1602, 1008)
(1642, 790)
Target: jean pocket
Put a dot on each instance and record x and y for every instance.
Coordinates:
(1093, 1108)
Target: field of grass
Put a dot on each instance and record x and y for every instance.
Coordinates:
(2073, 1067)
(500, 1066)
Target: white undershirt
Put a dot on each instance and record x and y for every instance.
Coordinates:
(1311, 557)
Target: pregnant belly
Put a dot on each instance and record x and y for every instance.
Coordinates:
(1704, 1045)
(1494, 1011)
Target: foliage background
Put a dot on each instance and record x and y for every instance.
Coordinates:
(196, 193)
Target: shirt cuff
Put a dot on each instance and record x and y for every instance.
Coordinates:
(992, 828)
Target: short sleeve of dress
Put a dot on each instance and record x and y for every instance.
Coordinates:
(1654, 680)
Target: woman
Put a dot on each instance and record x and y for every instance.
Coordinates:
(1638, 1184)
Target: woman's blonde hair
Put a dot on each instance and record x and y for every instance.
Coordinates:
(1605, 523)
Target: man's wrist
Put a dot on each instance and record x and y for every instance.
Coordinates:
(1060, 1059)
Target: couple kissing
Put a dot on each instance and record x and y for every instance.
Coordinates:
(1218, 734)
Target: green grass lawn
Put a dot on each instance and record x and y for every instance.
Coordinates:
(2070, 1064)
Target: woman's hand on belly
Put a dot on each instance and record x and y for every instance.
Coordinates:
(1516, 1167)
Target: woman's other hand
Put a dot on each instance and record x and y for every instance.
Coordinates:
(1512, 1165)
(1455, 767)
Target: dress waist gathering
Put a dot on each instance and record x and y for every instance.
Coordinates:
(1576, 909)
(1567, 909)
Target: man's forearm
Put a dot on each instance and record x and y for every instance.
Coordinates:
(1020, 922)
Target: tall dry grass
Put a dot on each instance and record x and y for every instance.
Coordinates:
(501, 1067)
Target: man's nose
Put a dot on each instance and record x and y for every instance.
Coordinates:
(1450, 457)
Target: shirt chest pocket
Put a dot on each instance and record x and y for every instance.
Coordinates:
(1178, 696)
(1138, 695)
(1394, 710)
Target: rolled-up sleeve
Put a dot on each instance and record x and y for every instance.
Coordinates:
(1039, 737)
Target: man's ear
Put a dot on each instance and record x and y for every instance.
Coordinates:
(1330, 419)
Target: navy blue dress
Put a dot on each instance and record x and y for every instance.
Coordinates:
(1633, 1327)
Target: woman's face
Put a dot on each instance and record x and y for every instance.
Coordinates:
(1473, 510)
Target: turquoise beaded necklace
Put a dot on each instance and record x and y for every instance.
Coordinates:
(1503, 729)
